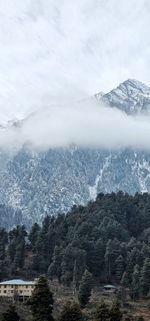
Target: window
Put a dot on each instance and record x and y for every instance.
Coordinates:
(5, 291)
(5, 286)
(12, 286)
(26, 286)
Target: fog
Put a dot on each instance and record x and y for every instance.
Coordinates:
(85, 124)
(56, 52)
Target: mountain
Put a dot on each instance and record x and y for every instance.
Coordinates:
(34, 184)
(131, 96)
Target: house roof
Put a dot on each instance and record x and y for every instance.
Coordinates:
(109, 286)
(17, 282)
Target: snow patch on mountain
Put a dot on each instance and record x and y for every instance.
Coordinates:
(93, 190)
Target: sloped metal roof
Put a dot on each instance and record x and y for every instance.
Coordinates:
(109, 286)
(17, 282)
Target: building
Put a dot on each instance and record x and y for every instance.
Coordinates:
(16, 288)
(109, 289)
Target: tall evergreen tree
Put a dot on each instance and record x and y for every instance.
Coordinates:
(54, 270)
(111, 254)
(135, 285)
(33, 236)
(20, 255)
(70, 255)
(41, 301)
(119, 265)
(145, 277)
(85, 288)
(121, 295)
(16, 247)
(124, 280)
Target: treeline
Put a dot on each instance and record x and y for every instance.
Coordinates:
(110, 237)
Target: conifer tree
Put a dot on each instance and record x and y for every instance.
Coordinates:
(41, 301)
(111, 254)
(85, 288)
(54, 270)
(119, 264)
(145, 277)
(71, 312)
(121, 295)
(115, 313)
(125, 280)
(102, 312)
(70, 255)
(10, 314)
(33, 236)
(135, 285)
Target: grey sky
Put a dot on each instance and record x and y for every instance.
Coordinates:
(58, 50)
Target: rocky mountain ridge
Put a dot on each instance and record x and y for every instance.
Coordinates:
(131, 96)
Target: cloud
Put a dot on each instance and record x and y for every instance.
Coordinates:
(52, 50)
(85, 124)
(53, 53)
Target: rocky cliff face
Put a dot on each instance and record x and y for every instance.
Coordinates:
(52, 182)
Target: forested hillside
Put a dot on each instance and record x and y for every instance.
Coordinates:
(110, 237)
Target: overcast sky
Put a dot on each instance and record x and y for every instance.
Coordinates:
(54, 53)
(57, 50)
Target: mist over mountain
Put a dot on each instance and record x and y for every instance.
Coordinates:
(38, 182)
(118, 119)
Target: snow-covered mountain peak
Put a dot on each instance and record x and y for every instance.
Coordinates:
(131, 96)
(133, 87)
